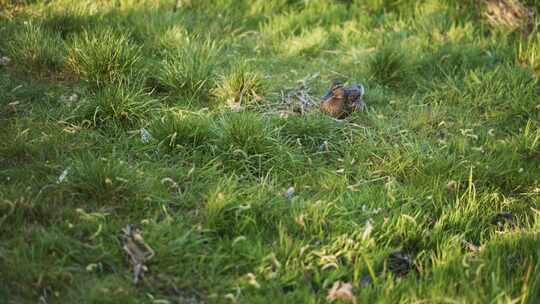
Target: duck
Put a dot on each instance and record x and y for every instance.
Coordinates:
(334, 101)
(340, 101)
(355, 97)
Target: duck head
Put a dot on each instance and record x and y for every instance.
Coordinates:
(336, 90)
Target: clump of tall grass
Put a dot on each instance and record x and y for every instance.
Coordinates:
(307, 43)
(245, 143)
(246, 132)
(508, 15)
(309, 131)
(67, 21)
(101, 180)
(103, 57)
(16, 144)
(188, 70)
(176, 129)
(389, 67)
(264, 7)
(123, 105)
(528, 53)
(220, 203)
(172, 38)
(36, 49)
(242, 85)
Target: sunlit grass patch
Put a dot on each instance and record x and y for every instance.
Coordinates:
(314, 132)
(430, 120)
(245, 132)
(266, 7)
(242, 85)
(185, 123)
(103, 57)
(234, 208)
(307, 43)
(69, 21)
(188, 71)
(295, 31)
(98, 181)
(504, 92)
(528, 53)
(452, 59)
(247, 143)
(390, 66)
(26, 141)
(121, 104)
(172, 38)
(432, 17)
(179, 129)
(37, 50)
(221, 200)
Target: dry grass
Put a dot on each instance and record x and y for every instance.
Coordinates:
(511, 15)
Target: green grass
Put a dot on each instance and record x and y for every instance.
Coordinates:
(243, 85)
(188, 69)
(103, 57)
(123, 112)
(36, 50)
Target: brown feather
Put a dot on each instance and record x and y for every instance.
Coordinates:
(335, 104)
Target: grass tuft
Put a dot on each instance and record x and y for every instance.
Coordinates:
(103, 57)
(37, 50)
(188, 70)
(244, 132)
(528, 52)
(97, 181)
(242, 85)
(245, 143)
(68, 22)
(178, 129)
(307, 43)
(120, 104)
(388, 66)
(311, 131)
(220, 202)
(419, 198)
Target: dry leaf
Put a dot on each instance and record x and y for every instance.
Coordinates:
(330, 265)
(452, 185)
(509, 14)
(341, 291)
(252, 280)
(137, 250)
(300, 221)
(234, 106)
(172, 184)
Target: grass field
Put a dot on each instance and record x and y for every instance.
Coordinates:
(125, 112)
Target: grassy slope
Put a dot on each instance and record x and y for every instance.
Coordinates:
(451, 138)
